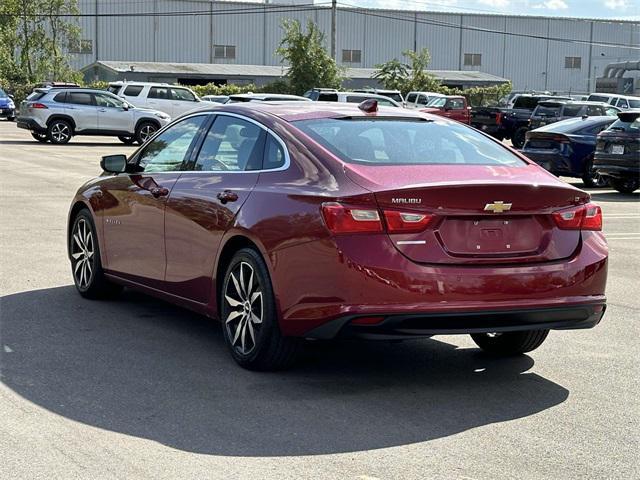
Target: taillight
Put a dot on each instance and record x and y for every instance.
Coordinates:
(346, 219)
(499, 118)
(582, 217)
(37, 105)
(341, 218)
(406, 222)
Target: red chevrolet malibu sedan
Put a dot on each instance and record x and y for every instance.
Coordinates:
(290, 221)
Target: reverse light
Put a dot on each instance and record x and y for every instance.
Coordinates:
(582, 217)
(345, 219)
(405, 222)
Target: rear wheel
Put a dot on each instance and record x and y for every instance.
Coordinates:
(41, 137)
(510, 343)
(593, 179)
(145, 131)
(625, 185)
(519, 137)
(86, 266)
(248, 313)
(59, 132)
(127, 140)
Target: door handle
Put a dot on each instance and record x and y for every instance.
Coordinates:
(227, 196)
(159, 192)
(102, 109)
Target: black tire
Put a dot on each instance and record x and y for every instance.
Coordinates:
(625, 185)
(253, 345)
(144, 131)
(11, 119)
(127, 140)
(59, 132)
(89, 278)
(41, 137)
(591, 179)
(510, 343)
(519, 137)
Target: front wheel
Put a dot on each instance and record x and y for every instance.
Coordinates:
(519, 137)
(86, 266)
(625, 185)
(248, 314)
(510, 343)
(145, 131)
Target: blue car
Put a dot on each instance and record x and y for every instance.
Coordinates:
(566, 148)
(7, 107)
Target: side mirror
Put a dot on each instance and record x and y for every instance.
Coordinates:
(125, 106)
(11, 97)
(114, 163)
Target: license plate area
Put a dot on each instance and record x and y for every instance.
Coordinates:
(480, 237)
(617, 149)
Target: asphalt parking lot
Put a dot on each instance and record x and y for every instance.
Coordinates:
(137, 388)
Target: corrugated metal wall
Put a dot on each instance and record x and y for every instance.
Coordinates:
(530, 63)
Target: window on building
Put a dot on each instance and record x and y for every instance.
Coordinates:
(351, 56)
(573, 62)
(224, 51)
(473, 59)
(81, 46)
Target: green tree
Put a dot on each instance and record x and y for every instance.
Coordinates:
(34, 38)
(392, 74)
(309, 63)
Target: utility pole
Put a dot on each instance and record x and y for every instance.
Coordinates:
(334, 11)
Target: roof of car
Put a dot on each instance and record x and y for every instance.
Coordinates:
(575, 123)
(571, 102)
(266, 96)
(292, 111)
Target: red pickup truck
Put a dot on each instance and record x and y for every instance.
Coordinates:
(453, 107)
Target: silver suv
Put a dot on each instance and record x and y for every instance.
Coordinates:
(57, 114)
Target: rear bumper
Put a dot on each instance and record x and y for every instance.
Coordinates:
(617, 166)
(30, 124)
(425, 325)
(552, 162)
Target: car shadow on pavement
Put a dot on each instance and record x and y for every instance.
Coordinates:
(145, 368)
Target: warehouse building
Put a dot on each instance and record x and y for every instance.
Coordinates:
(542, 53)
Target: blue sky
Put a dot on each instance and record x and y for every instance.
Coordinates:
(620, 9)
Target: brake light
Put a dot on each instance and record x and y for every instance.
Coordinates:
(499, 118)
(37, 105)
(345, 219)
(582, 217)
(406, 222)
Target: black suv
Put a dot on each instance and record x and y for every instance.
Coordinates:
(617, 154)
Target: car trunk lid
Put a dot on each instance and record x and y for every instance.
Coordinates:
(480, 214)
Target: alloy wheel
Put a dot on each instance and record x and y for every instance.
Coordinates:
(244, 298)
(146, 132)
(82, 251)
(60, 132)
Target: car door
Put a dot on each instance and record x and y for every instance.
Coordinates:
(81, 107)
(205, 201)
(112, 114)
(183, 101)
(133, 204)
(159, 98)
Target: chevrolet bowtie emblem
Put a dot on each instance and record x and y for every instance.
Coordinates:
(497, 207)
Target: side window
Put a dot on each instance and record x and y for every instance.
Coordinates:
(423, 99)
(133, 90)
(571, 110)
(107, 101)
(79, 98)
(60, 98)
(166, 152)
(161, 93)
(384, 103)
(231, 145)
(455, 104)
(411, 98)
(622, 103)
(328, 97)
(182, 95)
(594, 110)
(274, 156)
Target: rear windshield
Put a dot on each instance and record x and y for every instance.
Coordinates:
(633, 127)
(598, 98)
(391, 141)
(33, 96)
(543, 111)
(528, 103)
